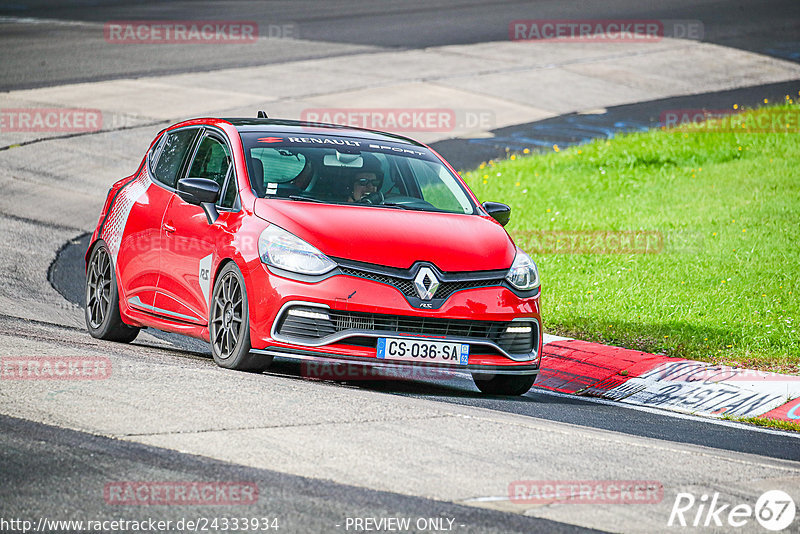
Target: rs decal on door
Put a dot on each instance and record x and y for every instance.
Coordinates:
(205, 275)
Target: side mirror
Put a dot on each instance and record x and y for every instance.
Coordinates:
(200, 192)
(499, 212)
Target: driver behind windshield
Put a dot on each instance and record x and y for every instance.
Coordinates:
(366, 180)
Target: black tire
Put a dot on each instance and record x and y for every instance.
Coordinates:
(229, 324)
(511, 385)
(102, 299)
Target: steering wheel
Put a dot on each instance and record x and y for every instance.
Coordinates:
(373, 198)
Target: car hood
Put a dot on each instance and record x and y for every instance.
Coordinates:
(394, 237)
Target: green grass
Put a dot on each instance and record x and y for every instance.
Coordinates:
(766, 422)
(724, 289)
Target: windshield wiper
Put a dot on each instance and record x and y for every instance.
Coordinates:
(395, 205)
(307, 199)
(401, 206)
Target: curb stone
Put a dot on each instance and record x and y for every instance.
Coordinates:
(677, 384)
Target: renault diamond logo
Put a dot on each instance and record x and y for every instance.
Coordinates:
(426, 283)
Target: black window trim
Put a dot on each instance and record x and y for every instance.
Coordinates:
(202, 131)
(237, 205)
(219, 135)
(182, 168)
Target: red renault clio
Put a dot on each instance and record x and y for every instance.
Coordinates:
(317, 242)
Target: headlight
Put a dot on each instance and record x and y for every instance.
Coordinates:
(284, 250)
(523, 274)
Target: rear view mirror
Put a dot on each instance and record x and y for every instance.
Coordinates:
(343, 159)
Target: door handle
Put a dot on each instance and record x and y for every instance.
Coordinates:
(168, 228)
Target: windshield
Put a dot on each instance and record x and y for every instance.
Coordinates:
(344, 170)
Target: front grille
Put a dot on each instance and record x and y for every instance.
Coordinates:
(310, 324)
(350, 322)
(406, 285)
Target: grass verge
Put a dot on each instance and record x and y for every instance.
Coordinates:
(767, 423)
(714, 273)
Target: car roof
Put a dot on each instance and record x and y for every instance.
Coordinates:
(246, 125)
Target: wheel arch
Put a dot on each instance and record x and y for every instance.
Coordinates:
(120, 290)
(93, 245)
(221, 265)
(86, 257)
(225, 261)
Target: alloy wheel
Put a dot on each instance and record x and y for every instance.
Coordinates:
(98, 288)
(226, 322)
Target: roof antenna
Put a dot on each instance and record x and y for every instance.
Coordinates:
(262, 114)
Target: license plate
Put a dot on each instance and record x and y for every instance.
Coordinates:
(416, 350)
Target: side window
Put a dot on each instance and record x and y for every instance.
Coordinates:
(172, 156)
(229, 196)
(211, 161)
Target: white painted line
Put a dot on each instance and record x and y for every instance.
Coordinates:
(487, 499)
(57, 22)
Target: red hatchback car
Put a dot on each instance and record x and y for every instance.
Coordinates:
(313, 241)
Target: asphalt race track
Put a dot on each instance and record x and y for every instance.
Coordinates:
(300, 504)
(53, 51)
(325, 453)
(461, 390)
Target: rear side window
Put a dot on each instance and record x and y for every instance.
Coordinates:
(172, 156)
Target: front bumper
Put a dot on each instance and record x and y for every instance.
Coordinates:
(359, 311)
(337, 359)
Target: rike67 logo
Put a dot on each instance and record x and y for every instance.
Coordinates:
(774, 510)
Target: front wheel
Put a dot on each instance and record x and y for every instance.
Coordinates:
(229, 327)
(102, 299)
(511, 385)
